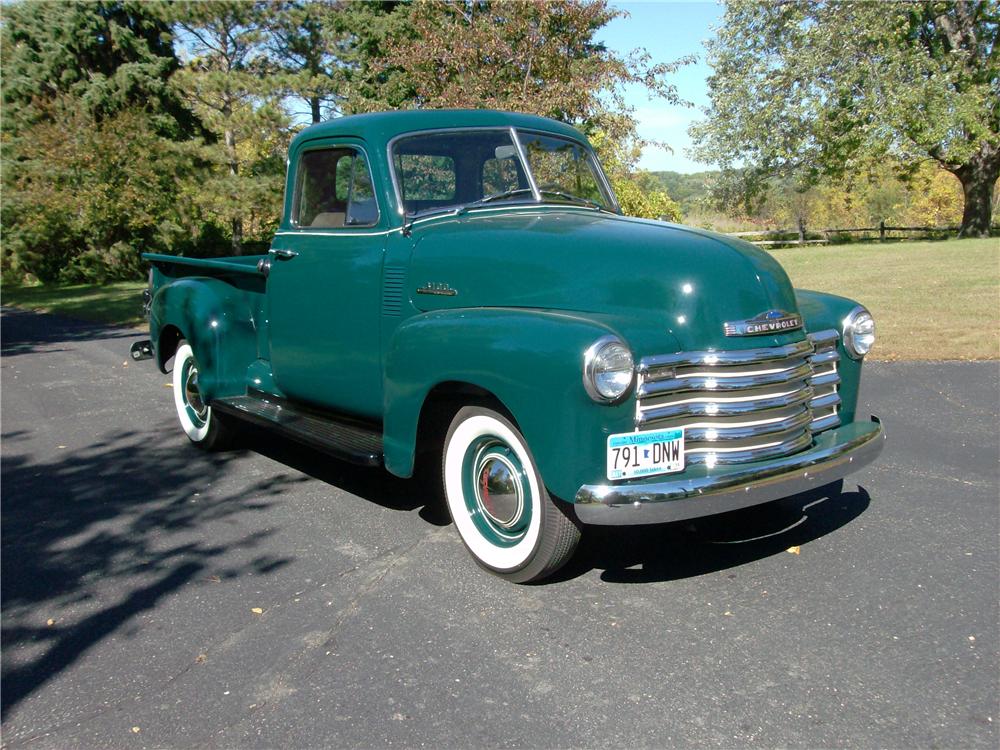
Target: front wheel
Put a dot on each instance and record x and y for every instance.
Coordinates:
(498, 502)
(202, 427)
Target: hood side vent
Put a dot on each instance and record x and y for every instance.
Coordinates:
(392, 290)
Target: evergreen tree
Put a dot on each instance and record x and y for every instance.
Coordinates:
(110, 55)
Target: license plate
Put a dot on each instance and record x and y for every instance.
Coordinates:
(643, 454)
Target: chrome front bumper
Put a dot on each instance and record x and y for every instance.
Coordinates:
(836, 454)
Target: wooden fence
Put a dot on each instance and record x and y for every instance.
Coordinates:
(801, 236)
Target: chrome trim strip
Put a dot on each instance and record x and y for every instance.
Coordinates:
(826, 378)
(827, 399)
(729, 357)
(823, 357)
(722, 433)
(722, 408)
(825, 423)
(660, 502)
(825, 338)
(711, 383)
(715, 455)
(523, 156)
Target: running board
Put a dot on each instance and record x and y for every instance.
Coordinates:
(342, 437)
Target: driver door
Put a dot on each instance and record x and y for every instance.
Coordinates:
(323, 291)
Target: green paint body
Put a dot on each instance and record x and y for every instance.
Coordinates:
(342, 325)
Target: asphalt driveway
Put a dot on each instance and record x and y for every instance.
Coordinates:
(156, 596)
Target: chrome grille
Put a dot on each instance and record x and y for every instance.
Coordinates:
(825, 381)
(745, 405)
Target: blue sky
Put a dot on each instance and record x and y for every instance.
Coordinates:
(667, 30)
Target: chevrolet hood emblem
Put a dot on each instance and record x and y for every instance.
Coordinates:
(772, 321)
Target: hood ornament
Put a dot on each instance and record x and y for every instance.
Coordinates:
(772, 321)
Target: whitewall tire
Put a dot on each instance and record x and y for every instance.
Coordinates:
(202, 427)
(498, 502)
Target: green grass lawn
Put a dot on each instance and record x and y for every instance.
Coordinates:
(931, 300)
(120, 302)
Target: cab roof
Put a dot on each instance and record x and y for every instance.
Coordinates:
(382, 127)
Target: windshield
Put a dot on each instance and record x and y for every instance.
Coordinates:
(459, 169)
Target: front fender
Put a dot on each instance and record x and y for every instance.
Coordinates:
(217, 320)
(821, 311)
(531, 360)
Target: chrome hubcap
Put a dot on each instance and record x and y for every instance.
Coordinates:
(192, 395)
(498, 490)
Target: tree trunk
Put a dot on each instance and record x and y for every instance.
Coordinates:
(314, 105)
(237, 236)
(234, 168)
(978, 178)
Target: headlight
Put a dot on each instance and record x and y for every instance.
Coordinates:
(608, 369)
(859, 332)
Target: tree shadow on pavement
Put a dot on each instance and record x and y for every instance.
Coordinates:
(40, 333)
(666, 552)
(121, 520)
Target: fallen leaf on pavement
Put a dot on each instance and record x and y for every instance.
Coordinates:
(50, 622)
(257, 610)
(135, 730)
(794, 550)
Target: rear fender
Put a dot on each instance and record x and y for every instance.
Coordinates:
(218, 322)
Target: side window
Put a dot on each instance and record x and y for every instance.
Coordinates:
(334, 190)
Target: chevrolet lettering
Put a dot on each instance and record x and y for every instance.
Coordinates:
(769, 322)
(562, 388)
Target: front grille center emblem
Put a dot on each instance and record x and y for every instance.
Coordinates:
(772, 321)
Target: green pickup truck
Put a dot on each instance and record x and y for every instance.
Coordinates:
(462, 284)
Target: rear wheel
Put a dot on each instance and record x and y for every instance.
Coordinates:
(202, 427)
(498, 502)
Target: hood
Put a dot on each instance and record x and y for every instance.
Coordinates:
(684, 282)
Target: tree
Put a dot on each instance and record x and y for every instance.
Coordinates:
(227, 83)
(306, 43)
(83, 202)
(110, 55)
(85, 104)
(528, 56)
(813, 89)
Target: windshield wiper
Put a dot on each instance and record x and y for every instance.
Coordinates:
(573, 198)
(489, 198)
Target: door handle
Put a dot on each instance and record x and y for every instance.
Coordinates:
(282, 254)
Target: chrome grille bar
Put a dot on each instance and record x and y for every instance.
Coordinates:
(723, 382)
(742, 356)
